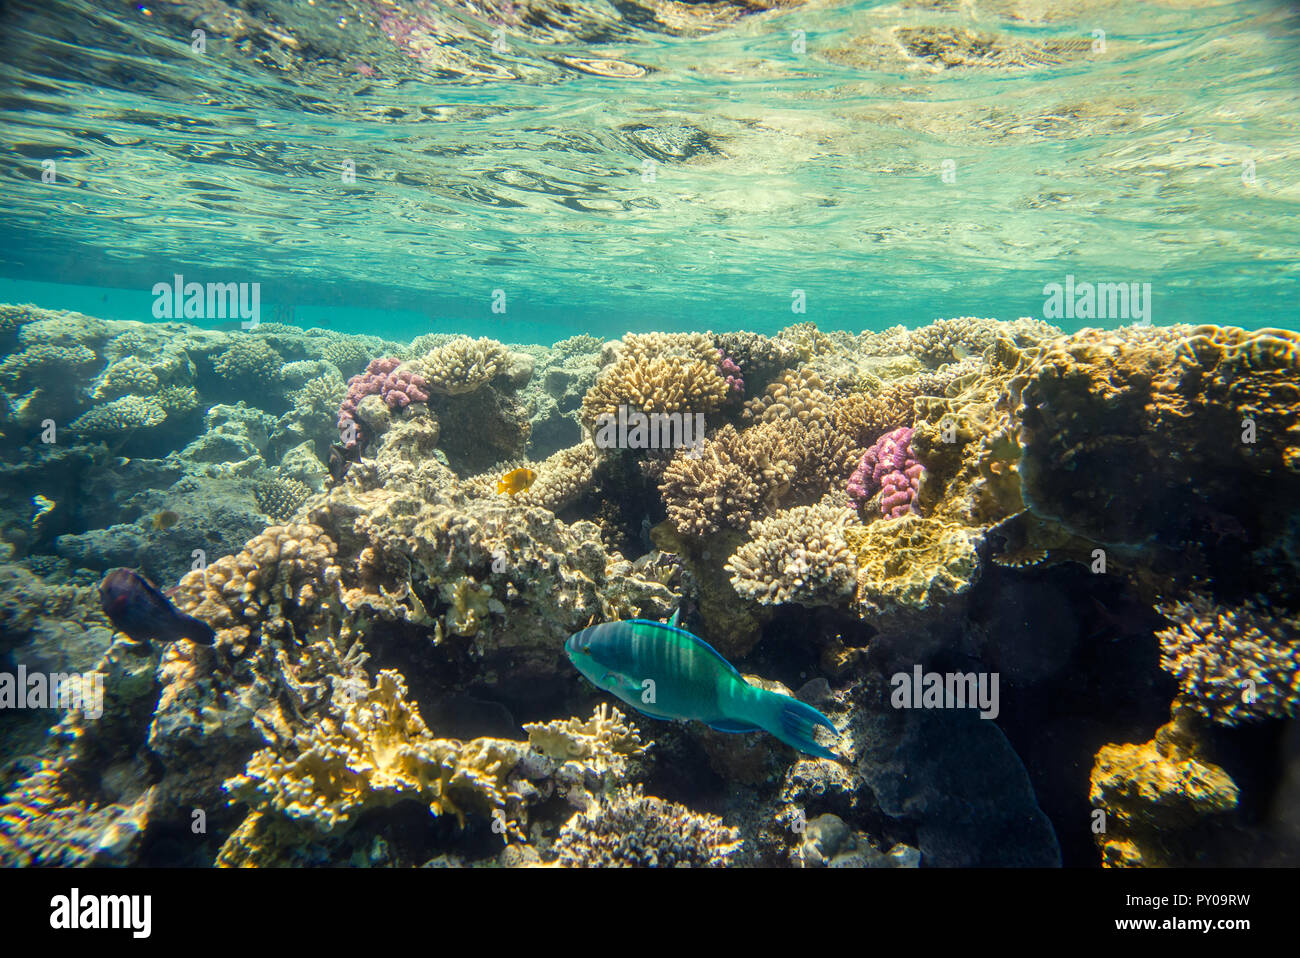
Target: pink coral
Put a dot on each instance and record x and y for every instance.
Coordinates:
(730, 370)
(890, 467)
(397, 388)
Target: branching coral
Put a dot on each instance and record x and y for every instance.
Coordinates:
(634, 830)
(283, 582)
(120, 415)
(1233, 665)
(798, 395)
(658, 372)
(728, 486)
(797, 556)
(463, 365)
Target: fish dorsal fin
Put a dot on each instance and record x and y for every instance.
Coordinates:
(676, 619)
(694, 638)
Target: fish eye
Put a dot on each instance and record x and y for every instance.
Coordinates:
(586, 650)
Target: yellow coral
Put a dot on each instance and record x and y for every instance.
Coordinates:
(1153, 793)
(912, 562)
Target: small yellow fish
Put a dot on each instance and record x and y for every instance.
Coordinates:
(516, 481)
(164, 520)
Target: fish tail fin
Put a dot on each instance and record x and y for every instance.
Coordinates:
(794, 722)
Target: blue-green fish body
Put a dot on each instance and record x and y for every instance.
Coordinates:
(668, 673)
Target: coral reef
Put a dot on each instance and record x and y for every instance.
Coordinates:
(1108, 519)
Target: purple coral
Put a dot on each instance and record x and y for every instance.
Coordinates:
(730, 370)
(891, 467)
(397, 388)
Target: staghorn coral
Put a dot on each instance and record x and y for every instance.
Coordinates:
(797, 556)
(462, 365)
(280, 498)
(633, 830)
(658, 372)
(1233, 665)
(890, 468)
(1158, 798)
(912, 565)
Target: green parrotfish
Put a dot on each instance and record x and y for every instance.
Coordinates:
(667, 673)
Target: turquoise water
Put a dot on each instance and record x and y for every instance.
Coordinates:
(612, 169)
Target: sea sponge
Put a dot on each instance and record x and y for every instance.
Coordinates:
(633, 830)
(120, 415)
(1233, 665)
(911, 563)
(463, 364)
(798, 556)
(658, 372)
